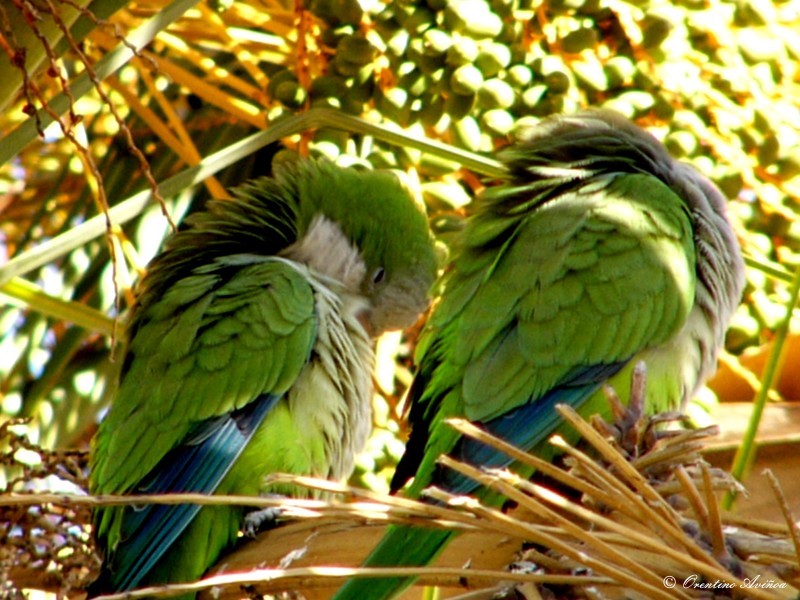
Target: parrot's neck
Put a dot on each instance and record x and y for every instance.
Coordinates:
(326, 249)
(333, 393)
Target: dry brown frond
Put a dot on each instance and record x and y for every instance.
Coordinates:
(631, 512)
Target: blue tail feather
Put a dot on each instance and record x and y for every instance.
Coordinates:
(525, 427)
(197, 466)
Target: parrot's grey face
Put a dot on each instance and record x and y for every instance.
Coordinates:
(400, 273)
(381, 299)
(398, 299)
(364, 229)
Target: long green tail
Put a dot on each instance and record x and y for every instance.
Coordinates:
(402, 546)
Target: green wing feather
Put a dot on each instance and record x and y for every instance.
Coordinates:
(216, 341)
(592, 277)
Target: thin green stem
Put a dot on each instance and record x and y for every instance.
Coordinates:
(28, 295)
(745, 454)
(774, 270)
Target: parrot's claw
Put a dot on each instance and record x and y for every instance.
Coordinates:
(260, 520)
(632, 428)
(630, 422)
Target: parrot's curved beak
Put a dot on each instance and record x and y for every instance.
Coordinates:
(363, 318)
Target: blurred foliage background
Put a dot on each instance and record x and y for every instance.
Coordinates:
(150, 107)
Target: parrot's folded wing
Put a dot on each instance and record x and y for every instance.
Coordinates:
(216, 359)
(593, 277)
(195, 467)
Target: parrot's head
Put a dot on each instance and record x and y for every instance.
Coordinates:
(365, 229)
(361, 228)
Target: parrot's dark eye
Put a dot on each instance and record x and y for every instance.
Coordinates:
(378, 275)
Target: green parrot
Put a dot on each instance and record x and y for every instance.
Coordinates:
(597, 251)
(249, 352)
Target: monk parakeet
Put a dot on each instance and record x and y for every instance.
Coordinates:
(599, 250)
(249, 352)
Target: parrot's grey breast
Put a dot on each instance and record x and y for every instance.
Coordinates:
(337, 383)
(343, 355)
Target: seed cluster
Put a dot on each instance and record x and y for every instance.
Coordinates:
(716, 81)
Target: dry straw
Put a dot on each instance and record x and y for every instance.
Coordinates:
(631, 511)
